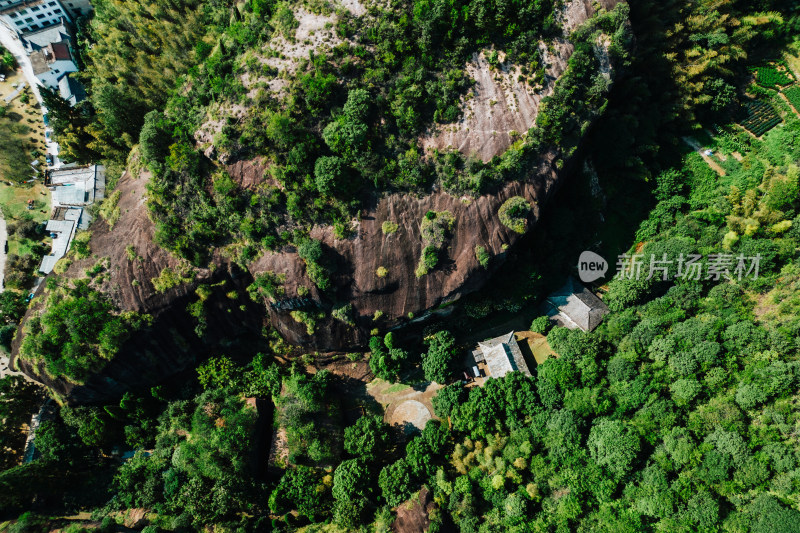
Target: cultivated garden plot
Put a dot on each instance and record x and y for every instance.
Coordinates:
(773, 75)
(792, 94)
(760, 117)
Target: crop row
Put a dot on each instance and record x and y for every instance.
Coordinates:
(760, 117)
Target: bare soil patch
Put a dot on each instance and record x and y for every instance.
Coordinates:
(537, 344)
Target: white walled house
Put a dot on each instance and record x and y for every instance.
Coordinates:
(23, 16)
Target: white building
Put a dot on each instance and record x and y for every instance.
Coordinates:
(78, 187)
(574, 306)
(501, 355)
(62, 227)
(73, 189)
(22, 16)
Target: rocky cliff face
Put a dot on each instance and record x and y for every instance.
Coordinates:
(400, 294)
(171, 345)
(499, 105)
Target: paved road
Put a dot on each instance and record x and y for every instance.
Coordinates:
(11, 43)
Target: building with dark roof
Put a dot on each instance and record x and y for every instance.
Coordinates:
(576, 307)
(71, 90)
(52, 63)
(40, 39)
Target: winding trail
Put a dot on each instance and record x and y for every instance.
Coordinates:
(11, 42)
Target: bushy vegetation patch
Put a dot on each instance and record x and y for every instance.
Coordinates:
(311, 251)
(170, 278)
(793, 95)
(514, 214)
(435, 229)
(78, 333)
(482, 256)
(772, 76)
(267, 285)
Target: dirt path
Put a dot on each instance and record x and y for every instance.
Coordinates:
(709, 161)
(3, 243)
(789, 103)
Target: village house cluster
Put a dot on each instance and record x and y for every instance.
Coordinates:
(44, 28)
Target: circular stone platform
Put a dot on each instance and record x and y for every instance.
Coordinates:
(410, 412)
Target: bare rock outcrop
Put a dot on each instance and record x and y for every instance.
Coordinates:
(400, 296)
(502, 104)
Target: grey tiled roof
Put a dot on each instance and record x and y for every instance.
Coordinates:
(502, 355)
(577, 306)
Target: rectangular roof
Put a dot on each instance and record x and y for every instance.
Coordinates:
(65, 230)
(502, 355)
(59, 52)
(70, 195)
(73, 175)
(39, 39)
(578, 305)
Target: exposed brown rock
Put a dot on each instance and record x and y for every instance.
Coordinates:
(170, 345)
(400, 292)
(413, 516)
(502, 106)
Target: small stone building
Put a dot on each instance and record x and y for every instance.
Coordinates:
(500, 356)
(575, 307)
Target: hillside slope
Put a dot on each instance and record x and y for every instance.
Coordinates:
(404, 251)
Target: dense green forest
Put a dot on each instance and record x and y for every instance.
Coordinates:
(679, 413)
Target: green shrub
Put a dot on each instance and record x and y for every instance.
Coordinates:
(267, 285)
(310, 251)
(381, 272)
(514, 214)
(344, 313)
(169, 278)
(304, 317)
(131, 252)
(80, 245)
(435, 230)
(216, 373)
(435, 227)
(329, 174)
(541, 325)
(284, 22)
(428, 260)
(109, 209)
(482, 256)
(388, 227)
